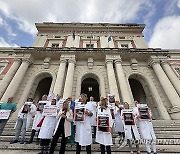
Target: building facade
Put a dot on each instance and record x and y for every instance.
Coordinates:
(96, 59)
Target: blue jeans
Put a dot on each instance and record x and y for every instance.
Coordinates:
(21, 126)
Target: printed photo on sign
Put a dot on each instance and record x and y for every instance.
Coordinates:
(50, 110)
(103, 123)
(4, 114)
(41, 105)
(79, 114)
(26, 107)
(143, 111)
(128, 117)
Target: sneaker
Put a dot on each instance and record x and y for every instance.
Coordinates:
(22, 142)
(13, 141)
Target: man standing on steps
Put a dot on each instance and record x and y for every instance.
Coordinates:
(94, 106)
(9, 105)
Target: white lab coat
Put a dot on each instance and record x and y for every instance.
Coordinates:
(83, 129)
(94, 107)
(37, 119)
(48, 127)
(104, 138)
(119, 127)
(27, 116)
(128, 132)
(67, 123)
(145, 127)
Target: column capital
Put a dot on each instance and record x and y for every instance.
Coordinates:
(27, 60)
(152, 62)
(109, 61)
(63, 60)
(118, 61)
(72, 61)
(17, 59)
(163, 62)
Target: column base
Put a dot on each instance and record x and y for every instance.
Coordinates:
(175, 112)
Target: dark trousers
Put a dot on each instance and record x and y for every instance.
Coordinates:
(108, 149)
(2, 125)
(78, 149)
(45, 142)
(94, 131)
(60, 131)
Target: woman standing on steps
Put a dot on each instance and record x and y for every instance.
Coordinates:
(47, 129)
(104, 125)
(38, 117)
(146, 129)
(63, 128)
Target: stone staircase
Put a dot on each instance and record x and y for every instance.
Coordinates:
(167, 133)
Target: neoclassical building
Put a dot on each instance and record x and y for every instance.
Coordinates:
(96, 59)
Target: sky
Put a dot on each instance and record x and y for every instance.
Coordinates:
(162, 18)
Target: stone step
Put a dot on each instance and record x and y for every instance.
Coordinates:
(31, 149)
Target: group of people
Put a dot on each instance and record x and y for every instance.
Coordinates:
(80, 121)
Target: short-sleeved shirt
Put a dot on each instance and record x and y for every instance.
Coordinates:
(8, 106)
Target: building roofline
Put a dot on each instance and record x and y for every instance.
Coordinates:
(90, 26)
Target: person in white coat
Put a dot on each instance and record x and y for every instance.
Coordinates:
(83, 135)
(146, 130)
(119, 127)
(131, 131)
(24, 120)
(63, 127)
(103, 134)
(94, 106)
(38, 117)
(47, 130)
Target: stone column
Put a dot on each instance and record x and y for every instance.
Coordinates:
(126, 97)
(16, 81)
(166, 84)
(60, 77)
(112, 79)
(9, 75)
(171, 75)
(69, 79)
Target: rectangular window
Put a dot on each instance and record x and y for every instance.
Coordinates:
(124, 45)
(121, 37)
(55, 45)
(89, 45)
(57, 36)
(177, 70)
(1, 69)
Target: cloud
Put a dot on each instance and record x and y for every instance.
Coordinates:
(3, 43)
(166, 33)
(7, 27)
(26, 13)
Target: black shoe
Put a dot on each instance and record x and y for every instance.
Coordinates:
(29, 142)
(14, 141)
(22, 142)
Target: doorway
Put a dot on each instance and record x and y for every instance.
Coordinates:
(90, 87)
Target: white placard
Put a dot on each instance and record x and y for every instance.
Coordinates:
(50, 110)
(4, 114)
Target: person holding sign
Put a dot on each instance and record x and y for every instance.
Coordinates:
(38, 117)
(24, 120)
(119, 127)
(63, 127)
(82, 119)
(48, 125)
(143, 114)
(104, 125)
(6, 108)
(94, 106)
(130, 128)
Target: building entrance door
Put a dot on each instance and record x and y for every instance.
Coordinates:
(90, 87)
